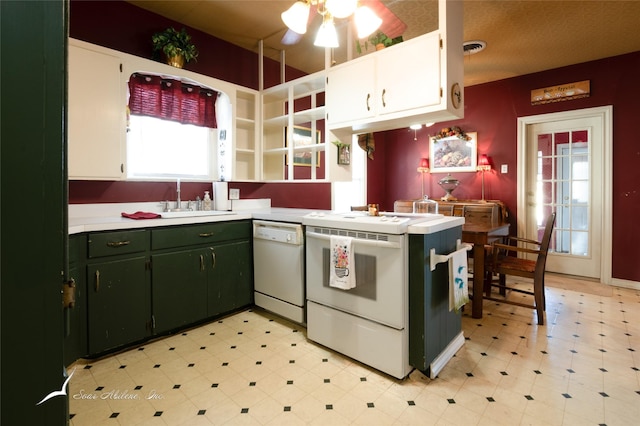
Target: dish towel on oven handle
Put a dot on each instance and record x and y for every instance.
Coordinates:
(342, 268)
(458, 279)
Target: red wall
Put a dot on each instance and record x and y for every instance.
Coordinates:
(492, 110)
(122, 26)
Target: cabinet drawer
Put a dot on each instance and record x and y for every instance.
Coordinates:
(189, 235)
(115, 243)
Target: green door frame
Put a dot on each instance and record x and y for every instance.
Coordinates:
(33, 224)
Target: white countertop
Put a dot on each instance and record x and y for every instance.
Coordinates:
(437, 225)
(107, 217)
(78, 225)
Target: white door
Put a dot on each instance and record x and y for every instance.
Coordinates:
(564, 172)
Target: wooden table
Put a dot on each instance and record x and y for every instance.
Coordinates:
(479, 235)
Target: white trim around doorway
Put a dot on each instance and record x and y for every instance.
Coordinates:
(605, 114)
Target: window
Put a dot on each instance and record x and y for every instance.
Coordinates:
(352, 193)
(166, 149)
(172, 130)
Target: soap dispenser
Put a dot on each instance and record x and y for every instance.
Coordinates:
(206, 202)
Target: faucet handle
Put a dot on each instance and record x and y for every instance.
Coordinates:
(165, 205)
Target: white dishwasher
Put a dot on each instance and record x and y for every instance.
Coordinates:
(278, 267)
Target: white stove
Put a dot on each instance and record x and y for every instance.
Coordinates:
(372, 314)
(387, 222)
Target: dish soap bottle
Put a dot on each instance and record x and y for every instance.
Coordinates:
(206, 202)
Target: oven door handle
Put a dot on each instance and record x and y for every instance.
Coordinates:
(358, 241)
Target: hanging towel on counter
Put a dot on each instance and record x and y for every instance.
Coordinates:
(458, 284)
(141, 215)
(342, 268)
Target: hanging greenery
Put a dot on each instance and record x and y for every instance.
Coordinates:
(448, 132)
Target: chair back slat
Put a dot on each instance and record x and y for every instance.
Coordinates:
(403, 206)
(482, 215)
(546, 241)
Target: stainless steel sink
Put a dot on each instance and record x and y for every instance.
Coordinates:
(194, 213)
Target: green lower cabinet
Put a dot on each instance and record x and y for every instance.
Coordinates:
(179, 293)
(230, 280)
(75, 318)
(432, 326)
(119, 310)
(190, 286)
(244, 274)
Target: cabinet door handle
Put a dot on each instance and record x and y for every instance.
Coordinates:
(368, 97)
(118, 243)
(213, 259)
(201, 263)
(206, 234)
(384, 91)
(97, 280)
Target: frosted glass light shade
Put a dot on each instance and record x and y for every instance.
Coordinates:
(341, 8)
(327, 35)
(296, 17)
(366, 21)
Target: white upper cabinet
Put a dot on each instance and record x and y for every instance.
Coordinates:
(351, 92)
(414, 82)
(98, 95)
(97, 115)
(394, 80)
(408, 77)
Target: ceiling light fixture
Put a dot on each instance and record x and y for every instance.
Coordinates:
(341, 8)
(296, 19)
(327, 35)
(366, 21)
(415, 128)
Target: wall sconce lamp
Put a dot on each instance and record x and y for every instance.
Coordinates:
(483, 166)
(424, 168)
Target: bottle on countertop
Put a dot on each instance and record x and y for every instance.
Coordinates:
(198, 203)
(206, 202)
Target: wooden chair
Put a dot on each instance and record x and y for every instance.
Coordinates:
(445, 209)
(403, 206)
(502, 264)
(482, 214)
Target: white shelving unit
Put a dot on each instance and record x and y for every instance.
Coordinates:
(292, 113)
(246, 114)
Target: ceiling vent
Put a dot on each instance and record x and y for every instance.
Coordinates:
(473, 47)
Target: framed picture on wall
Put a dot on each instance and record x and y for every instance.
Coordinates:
(458, 153)
(301, 139)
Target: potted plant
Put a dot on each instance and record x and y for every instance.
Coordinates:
(379, 40)
(176, 46)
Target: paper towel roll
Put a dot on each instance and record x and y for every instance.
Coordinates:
(221, 196)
